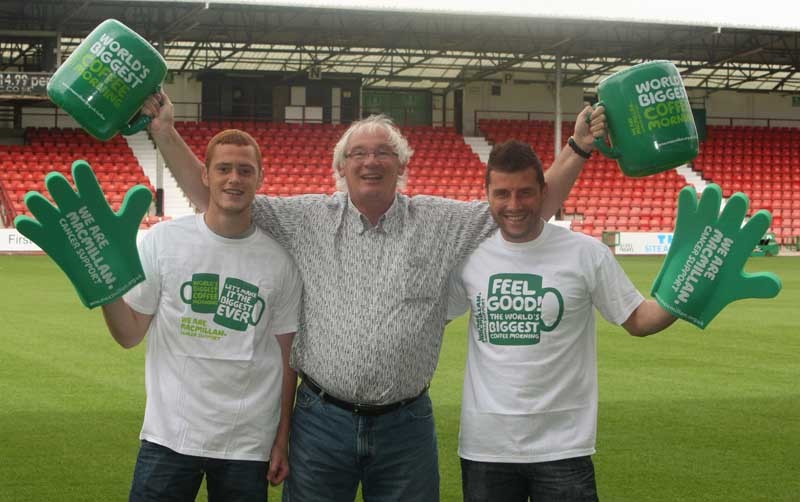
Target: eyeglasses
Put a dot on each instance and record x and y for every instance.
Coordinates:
(381, 155)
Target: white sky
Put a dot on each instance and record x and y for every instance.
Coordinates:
(770, 14)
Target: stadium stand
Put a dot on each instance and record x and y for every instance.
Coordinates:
(763, 163)
(297, 160)
(24, 167)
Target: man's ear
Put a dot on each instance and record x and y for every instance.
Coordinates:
(204, 175)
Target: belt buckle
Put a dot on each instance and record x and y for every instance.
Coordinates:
(364, 409)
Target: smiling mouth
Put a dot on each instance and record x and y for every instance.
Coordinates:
(231, 191)
(515, 217)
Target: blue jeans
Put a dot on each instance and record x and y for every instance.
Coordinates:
(164, 475)
(567, 480)
(332, 450)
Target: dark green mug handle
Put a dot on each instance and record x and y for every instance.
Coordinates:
(545, 327)
(183, 287)
(600, 143)
(139, 123)
(255, 320)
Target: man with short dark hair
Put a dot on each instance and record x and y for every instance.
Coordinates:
(529, 409)
(219, 306)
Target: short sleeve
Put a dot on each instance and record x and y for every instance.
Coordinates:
(457, 300)
(144, 297)
(613, 293)
(287, 307)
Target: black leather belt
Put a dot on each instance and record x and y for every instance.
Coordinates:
(369, 410)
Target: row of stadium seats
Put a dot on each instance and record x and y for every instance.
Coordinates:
(761, 162)
(23, 167)
(297, 157)
(297, 161)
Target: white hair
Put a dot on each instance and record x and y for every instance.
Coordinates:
(372, 124)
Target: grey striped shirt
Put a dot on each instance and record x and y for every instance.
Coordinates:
(375, 298)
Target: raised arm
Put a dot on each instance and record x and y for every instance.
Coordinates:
(567, 166)
(127, 326)
(180, 159)
(279, 456)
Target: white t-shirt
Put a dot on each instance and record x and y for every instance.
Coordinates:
(530, 389)
(213, 369)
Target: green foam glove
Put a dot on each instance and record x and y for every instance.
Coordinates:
(702, 272)
(92, 244)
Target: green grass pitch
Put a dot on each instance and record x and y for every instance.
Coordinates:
(685, 415)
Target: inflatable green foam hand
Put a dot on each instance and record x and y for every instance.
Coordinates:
(702, 272)
(93, 245)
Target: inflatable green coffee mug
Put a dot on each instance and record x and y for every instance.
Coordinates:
(649, 119)
(107, 79)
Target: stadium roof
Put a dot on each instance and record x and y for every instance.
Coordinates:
(405, 45)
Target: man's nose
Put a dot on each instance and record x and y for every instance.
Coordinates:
(372, 159)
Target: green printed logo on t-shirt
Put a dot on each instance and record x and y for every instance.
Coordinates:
(511, 314)
(236, 307)
(202, 292)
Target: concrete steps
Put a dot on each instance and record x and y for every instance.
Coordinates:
(176, 203)
(479, 145)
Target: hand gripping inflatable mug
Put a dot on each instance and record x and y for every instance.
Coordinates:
(650, 121)
(107, 79)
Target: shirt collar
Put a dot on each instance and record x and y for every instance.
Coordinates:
(389, 222)
(524, 247)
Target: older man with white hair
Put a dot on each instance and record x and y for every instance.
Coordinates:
(375, 265)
